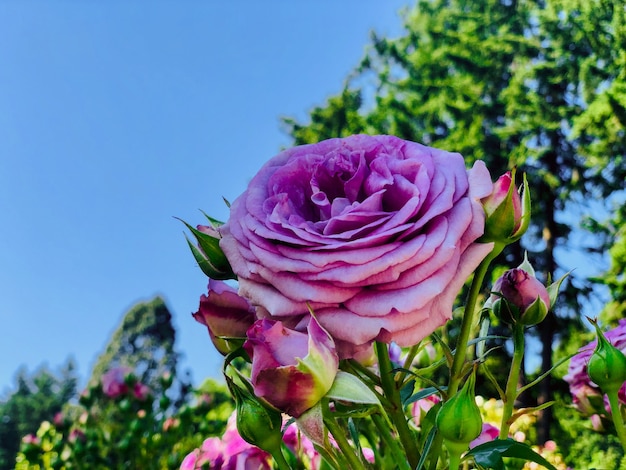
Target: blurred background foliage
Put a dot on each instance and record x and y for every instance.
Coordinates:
(537, 85)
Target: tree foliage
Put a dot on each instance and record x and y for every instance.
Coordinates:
(536, 84)
(37, 397)
(143, 342)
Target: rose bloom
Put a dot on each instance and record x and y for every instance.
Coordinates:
(376, 234)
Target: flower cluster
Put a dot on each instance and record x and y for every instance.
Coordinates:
(347, 255)
(232, 452)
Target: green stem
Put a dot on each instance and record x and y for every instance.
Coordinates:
(467, 323)
(616, 414)
(279, 458)
(391, 442)
(345, 447)
(408, 362)
(396, 411)
(510, 393)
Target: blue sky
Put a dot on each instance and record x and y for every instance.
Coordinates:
(117, 116)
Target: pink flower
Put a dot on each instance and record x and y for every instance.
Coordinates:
(291, 370)
(238, 454)
(141, 391)
(226, 315)
(114, 381)
(302, 447)
(76, 435)
(488, 434)
(211, 453)
(230, 452)
(373, 232)
(421, 407)
(31, 439)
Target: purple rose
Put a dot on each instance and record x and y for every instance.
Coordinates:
(227, 315)
(375, 233)
(291, 370)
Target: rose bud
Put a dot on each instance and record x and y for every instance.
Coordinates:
(519, 297)
(607, 365)
(507, 212)
(459, 420)
(208, 254)
(290, 369)
(226, 314)
(256, 423)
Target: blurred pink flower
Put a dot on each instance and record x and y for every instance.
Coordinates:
(421, 407)
(114, 381)
(31, 439)
(488, 434)
(230, 452)
(141, 391)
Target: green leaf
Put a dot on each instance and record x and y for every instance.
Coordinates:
(553, 289)
(490, 454)
(407, 390)
(423, 393)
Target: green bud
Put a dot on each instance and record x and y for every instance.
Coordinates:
(459, 420)
(257, 423)
(607, 365)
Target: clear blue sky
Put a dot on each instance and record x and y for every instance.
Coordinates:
(116, 116)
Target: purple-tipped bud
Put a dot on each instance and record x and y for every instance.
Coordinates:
(290, 369)
(226, 314)
(519, 297)
(507, 211)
